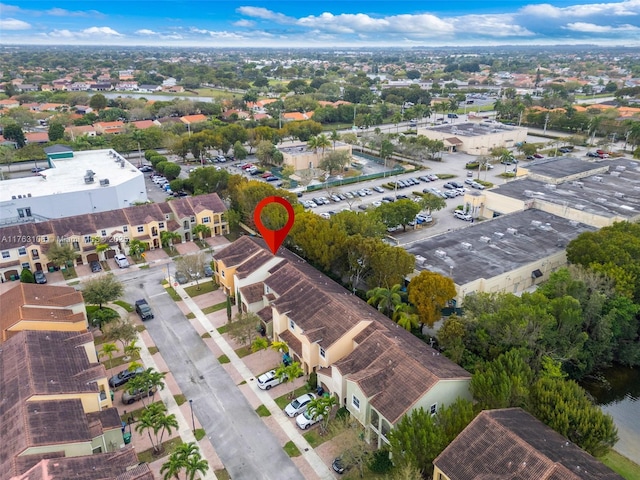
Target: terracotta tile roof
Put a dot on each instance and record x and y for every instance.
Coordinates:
(253, 263)
(252, 293)
(266, 314)
(142, 124)
(119, 465)
(36, 137)
(294, 344)
(237, 252)
(206, 202)
(143, 214)
(188, 119)
(510, 443)
(56, 422)
(29, 301)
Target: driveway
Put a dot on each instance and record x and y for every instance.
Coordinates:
(243, 442)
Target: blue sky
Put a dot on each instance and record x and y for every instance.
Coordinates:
(355, 23)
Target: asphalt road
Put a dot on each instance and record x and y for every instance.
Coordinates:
(245, 445)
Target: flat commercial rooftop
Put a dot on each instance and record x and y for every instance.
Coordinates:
(68, 175)
(302, 148)
(473, 129)
(610, 194)
(493, 247)
(561, 167)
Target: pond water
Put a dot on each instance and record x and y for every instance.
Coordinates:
(619, 396)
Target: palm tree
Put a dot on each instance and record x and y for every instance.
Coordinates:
(137, 136)
(335, 136)
(322, 142)
(131, 350)
(108, 349)
(172, 467)
(154, 419)
(201, 230)
(321, 407)
(453, 105)
(405, 316)
(185, 457)
(396, 118)
(312, 144)
(149, 380)
(288, 374)
(385, 299)
(195, 463)
(167, 238)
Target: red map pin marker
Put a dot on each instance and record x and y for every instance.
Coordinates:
(273, 238)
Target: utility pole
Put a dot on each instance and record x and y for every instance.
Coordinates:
(626, 139)
(546, 120)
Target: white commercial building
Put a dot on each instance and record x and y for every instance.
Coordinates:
(74, 183)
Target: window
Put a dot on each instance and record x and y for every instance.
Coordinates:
(193, 219)
(27, 212)
(87, 239)
(5, 254)
(206, 219)
(355, 401)
(433, 408)
(22, 251)
(103, 233)
(21, 212)
(323, 354)
(76, 245)
(140, 229)
(160, 224)
(166, 216)
(125, 229)
(292, 324)
(26, 265)
(222, 273)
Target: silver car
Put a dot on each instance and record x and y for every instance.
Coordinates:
(299, 405)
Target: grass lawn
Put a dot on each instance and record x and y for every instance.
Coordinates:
(213, 92)
(291, 449)
(203, 287)
(117, 362)
(284, 400)
(127, 306)
(223, 359)
(622, 465)
(173, 294)
(172, 252)
(190, 316)
(153, 350)
(223, 329)
(214, 308)
(168, 448)
(140, 328)
(199, 434)
(243, 351)
(69, 273)
(205, 335)
(134, 414)
(180, 399)
(263, 411)
(222, 474)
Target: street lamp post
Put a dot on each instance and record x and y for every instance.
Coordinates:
(193, 422)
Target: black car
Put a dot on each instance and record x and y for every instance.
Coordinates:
(39, 277)
(146, 168)
(124, 376)
(95, 266)
(208, 271)
(592, 154)
(181, 278)
(338, 466)
(37, 169)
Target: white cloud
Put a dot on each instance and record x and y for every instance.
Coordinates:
(217, 34)
(91, 32)
(61, 12)
(545, 10)
(244, 23)
(490, 25)
(146, 31)
(593, 28)
(13, 24)
(265, 14)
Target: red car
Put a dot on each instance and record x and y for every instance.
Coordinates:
(266, 175)
(247, 166)
(537, 155)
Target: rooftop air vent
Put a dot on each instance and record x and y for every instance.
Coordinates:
(618, 195)
(579, 206)
(512, 231)
(536, 223)
(88, 179)
(485, 239)
(621, 168)
(466, 245)
(420, 260)
(578, 184)
(121, 163)
(498, 234)
(615, 174)
(550, 186)
(597, 179)
(104, 182)
(440, 254)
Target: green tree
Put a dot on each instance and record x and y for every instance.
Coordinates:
(122, 331)
(137, 247)
(150, 380)
(429, 292)
(14, 132)
(321, 407)
(396, 213)
(103, 289)
(107, 350)
(404, 315)
(349, 440)
(335, 161)
(389, 266)
(26, 276)
(201, 230)
(185, 457)
(503, 382)
(101, 246)
(565, 407)
(56, 132)
(154, 419)
(172, 171)
(98, 102)
(431, 202)
(239, 151)
(319, 241)
(386, 150)
(131, 350)
(385, 299)
(244, 327)
(103, 316)
(7, 155)
(451, 338)
(289, 373)
(167, 238)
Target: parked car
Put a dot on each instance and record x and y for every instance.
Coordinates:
(537, 155)
(95, 266)
(121, 260)
(208, 271)
(124, 376)
(305, 420)
(268, 380)
(130, 396)
(378, 189)
(144, 310)
(39, 277)
(181, 278)
(339, 466)
(462, 216)
(146, 168)
(299, 405)
(530, 157)
(477, 186)
(592, 154)
(37, 169)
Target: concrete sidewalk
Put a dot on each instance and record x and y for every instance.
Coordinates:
(308, 453)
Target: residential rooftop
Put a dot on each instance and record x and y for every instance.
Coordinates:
(67, 174)
(490, 248)
(511, 443)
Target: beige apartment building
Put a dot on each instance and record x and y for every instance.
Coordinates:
(300, 157)
(475, 138)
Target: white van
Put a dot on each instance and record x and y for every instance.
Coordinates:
(462, 216)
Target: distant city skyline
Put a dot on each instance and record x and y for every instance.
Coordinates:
(300, 24)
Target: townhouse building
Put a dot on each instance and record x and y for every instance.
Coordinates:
(358, 354)
(25, 245)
